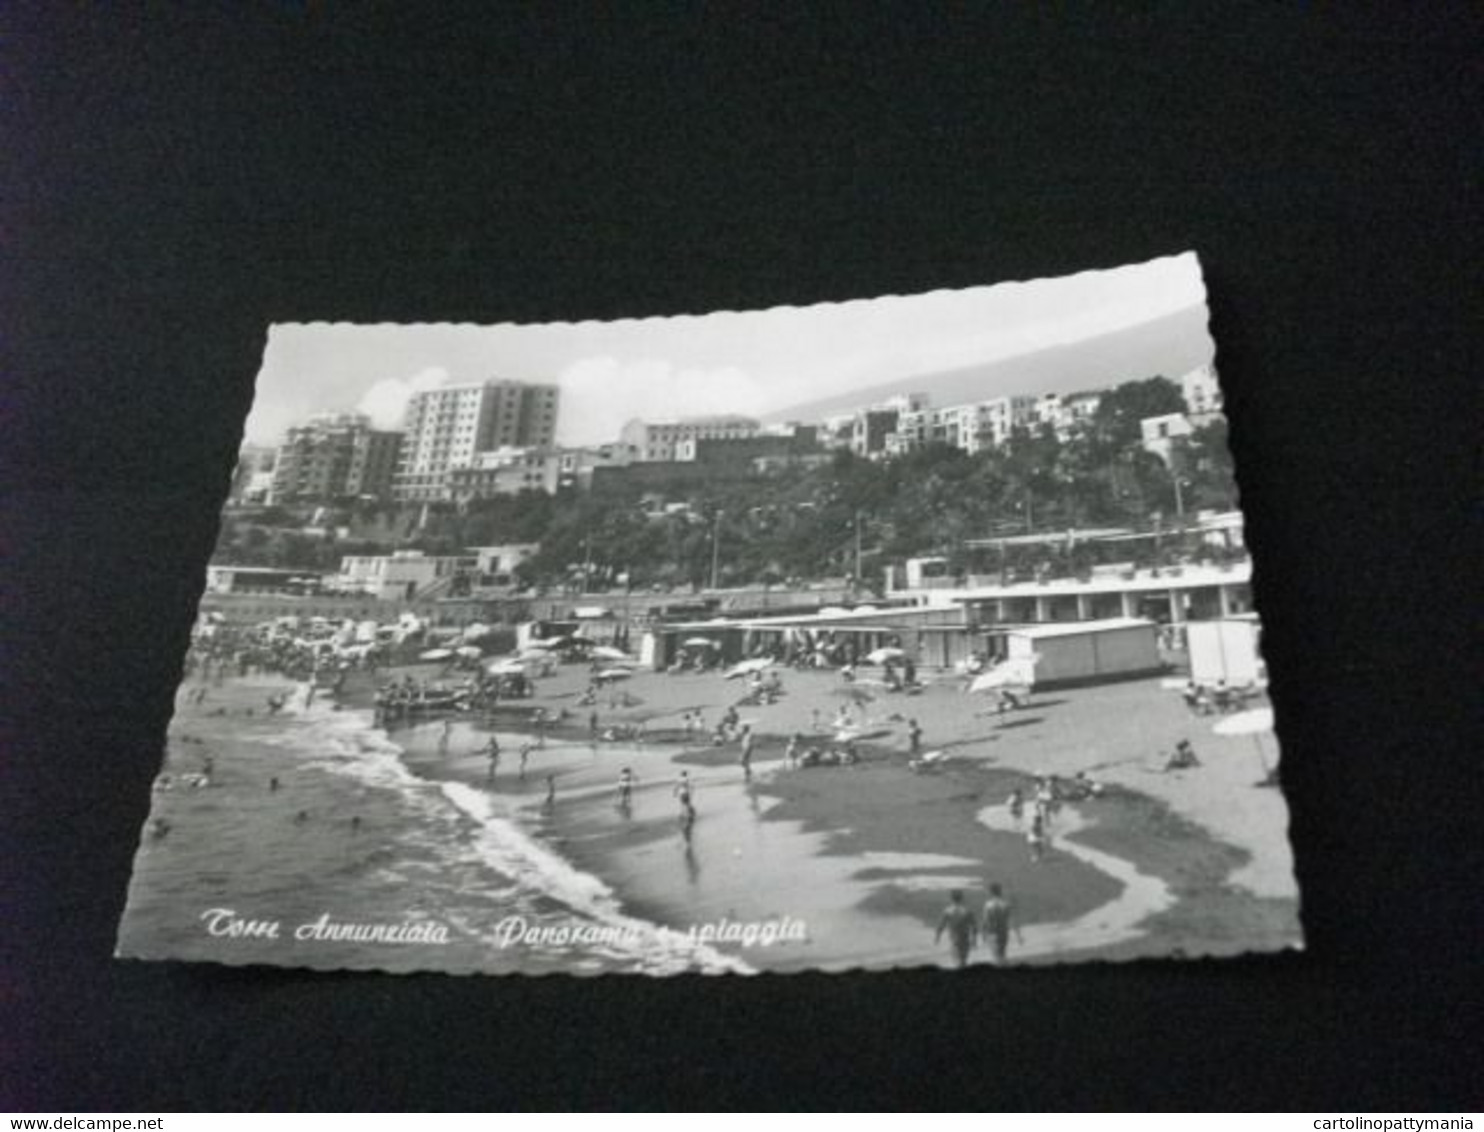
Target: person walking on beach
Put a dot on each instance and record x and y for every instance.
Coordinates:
(746, 758)
(443, 735)
(550, 803)
(1036, 837)
(687, 806)
(791, 751)
(1016, 804)
(914, 738)
(492, 752)
(998, 923)
(626, 782)
(525, 755)
(962, 929)
(1045, 798)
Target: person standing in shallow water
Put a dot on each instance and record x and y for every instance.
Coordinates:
(962, 928)
(626, 782)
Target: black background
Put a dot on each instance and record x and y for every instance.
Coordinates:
(173, 182)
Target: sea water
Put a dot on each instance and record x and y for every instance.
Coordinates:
(357, 861)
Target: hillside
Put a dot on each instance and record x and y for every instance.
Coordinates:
(1168, 346)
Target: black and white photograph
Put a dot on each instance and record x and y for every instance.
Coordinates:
(738, 559)
(909, 631)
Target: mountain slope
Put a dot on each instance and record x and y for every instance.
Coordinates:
(1168, 346)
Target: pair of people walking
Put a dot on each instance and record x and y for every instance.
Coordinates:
(965, 929)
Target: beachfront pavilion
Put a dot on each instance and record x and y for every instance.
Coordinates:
(945, 627)
(933, 636)
(1168, 595)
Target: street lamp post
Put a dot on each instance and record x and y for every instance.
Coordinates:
(858, 550)
(1177, 451)
(716, 547)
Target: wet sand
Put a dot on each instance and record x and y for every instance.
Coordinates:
(865, 855)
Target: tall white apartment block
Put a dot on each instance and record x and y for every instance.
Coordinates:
(445, 428)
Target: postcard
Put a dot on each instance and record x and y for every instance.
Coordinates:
(909, 631)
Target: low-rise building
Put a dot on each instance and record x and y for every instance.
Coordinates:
(657, 441)
(509, 471)
(496, 565)
(1160, 435)
(1066, 413)
(403, 575)
(253, 580)
(870, 430)
(1201, 391)
(970, 427)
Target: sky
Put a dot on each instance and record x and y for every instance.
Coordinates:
(755, 363)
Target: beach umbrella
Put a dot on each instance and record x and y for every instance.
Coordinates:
(746, 667)
(608, 652)
(881, 656)
(613, 674)
(505, 666)
(1257, 723)
(1011, 675)
(698, 643)
(435, 654)
(996, 680)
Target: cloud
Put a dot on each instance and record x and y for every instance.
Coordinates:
(386, 401)
(600, 393)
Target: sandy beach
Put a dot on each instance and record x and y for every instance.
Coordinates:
(852, 864)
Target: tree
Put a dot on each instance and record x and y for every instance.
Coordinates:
(1119, 411)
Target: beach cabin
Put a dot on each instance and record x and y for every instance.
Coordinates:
(1086, 652)
(1226, 650)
